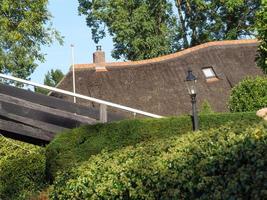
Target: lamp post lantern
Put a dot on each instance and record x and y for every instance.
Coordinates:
(192, 90)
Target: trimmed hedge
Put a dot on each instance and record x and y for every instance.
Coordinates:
(224, 163)
(72, 147)
(22, 169)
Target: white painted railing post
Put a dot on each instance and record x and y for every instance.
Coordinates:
(103, 113)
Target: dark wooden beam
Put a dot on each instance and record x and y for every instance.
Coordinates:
(49, 115)
(48, 101)
(56, 103)
(24, 138)
(32, 122)
(36, 118)
(24, 130)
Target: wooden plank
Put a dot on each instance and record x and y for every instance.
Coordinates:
(22, 138)
(56, 103)
(32, 122)
(24, 130)
(49, 101)
(51, 118)
(42, 113)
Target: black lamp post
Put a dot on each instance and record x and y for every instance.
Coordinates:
(191, 86)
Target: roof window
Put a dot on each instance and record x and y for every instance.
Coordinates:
(209, 72)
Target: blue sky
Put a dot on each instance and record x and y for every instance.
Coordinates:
(75, 31)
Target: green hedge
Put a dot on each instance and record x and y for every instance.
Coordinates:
(22, 169)
(224, 163)
(72, 147)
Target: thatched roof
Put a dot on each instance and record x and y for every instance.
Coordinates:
(157, 85)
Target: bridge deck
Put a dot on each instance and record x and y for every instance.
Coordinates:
(37, 118)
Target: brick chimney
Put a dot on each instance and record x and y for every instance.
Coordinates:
(99, 59)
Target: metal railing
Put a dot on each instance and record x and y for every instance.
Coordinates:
(103, 104)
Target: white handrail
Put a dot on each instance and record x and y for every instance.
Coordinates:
(80, 96)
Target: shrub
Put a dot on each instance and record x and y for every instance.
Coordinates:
(22, 169)
(249, 95)
(72, 147)
(222, 163)
(206, 108)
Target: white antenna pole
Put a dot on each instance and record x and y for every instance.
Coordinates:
(73, 73)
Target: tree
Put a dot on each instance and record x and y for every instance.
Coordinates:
(140, 29)
(52, 78)
(144, 29)
(261, 28)
(24, 26)
(204, 20)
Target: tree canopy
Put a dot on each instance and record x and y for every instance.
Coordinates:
(144, 29)
(140, 29)
(261, 28)
(204, 20)
(25, 26)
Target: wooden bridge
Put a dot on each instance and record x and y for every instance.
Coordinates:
(37, 118)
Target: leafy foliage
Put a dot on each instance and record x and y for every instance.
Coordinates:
(52, 78)
(22, 169)
(147, 28)
(224, 163)
(206, 108)
(249, 95)
(83, 142)
(140, 29)
(71, 148)
(203, 20)
(24, 28)
(261, 28)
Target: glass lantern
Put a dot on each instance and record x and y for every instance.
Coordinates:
(191, 83)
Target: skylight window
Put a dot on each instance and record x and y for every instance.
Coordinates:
(209, 72)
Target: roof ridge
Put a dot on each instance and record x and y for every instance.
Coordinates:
(169, 56)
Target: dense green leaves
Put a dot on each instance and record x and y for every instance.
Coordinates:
(135, 154)
(204, 20)
(261, 28)
(22, 169)
(249, 95)
(73, 147)
(24, 28)
(78, 145)
(52, 78)
(147, 28)
(224, 163)
(140, 29)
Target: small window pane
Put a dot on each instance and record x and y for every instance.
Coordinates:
(208, 72)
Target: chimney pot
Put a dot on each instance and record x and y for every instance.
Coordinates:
(98, 48)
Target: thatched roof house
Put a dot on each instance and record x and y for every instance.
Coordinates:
(157, 85)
